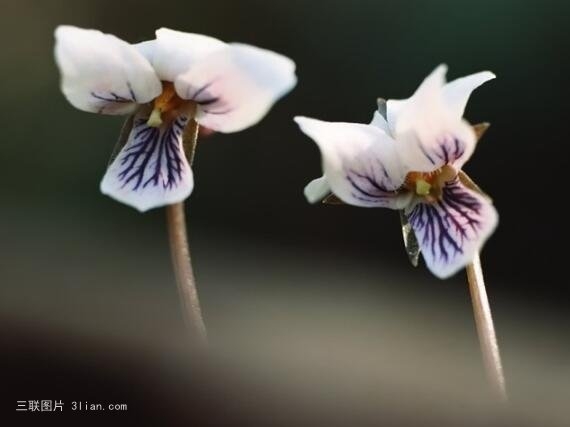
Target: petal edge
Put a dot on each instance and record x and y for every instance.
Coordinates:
(316, 190)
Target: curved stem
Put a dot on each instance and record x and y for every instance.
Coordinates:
(182, 263)
(486, 329)
(180, 251)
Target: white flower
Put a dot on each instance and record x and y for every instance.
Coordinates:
(165, 83)
(409, 159)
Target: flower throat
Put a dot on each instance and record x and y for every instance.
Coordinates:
(165, 106)
(429, 185)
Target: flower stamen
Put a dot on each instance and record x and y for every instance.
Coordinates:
(155, 120)
(429, 185)
(422, 187)
(166, 103)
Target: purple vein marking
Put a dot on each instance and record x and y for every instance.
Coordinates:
(114, 98)
(208, 101)
(200, 91)
(366, 188)
(445, 226)
(154, 157)
(448, 150)
(204, 98)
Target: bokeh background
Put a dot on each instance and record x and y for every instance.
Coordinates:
(315, 316)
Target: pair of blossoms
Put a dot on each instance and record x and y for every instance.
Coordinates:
(408, 158)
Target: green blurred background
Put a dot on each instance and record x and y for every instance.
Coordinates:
(314, 313)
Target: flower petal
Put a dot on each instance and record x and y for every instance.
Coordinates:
(380, 122)
(147, 49)
(431, 86)
(429, 134)
(151, 170)
(360, 163)
(457, 93)
(101, 73)
(452, 231)
(175, 52)
(393, 110)
(317, 190)
(236, 86)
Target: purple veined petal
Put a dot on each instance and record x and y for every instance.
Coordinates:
(452, 231)
(360, 163)
(428, 131)
(151, 170)
(235, 87)
(426, 152)
(101, 73)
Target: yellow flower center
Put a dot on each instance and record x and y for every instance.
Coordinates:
(429, 185)
(166, 106)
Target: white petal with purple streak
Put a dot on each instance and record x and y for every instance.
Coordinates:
(151, 170)
(101, 73)
(428, 132)
(360, 163)
(235, 87)
(452, 231)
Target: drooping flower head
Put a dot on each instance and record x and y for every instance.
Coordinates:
(409, 158)
(165, 83)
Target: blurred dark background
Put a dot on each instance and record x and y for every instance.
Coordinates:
(314, 313)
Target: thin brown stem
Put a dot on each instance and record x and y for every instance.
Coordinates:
(180, 251)
(182, 263)
(486, 329)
